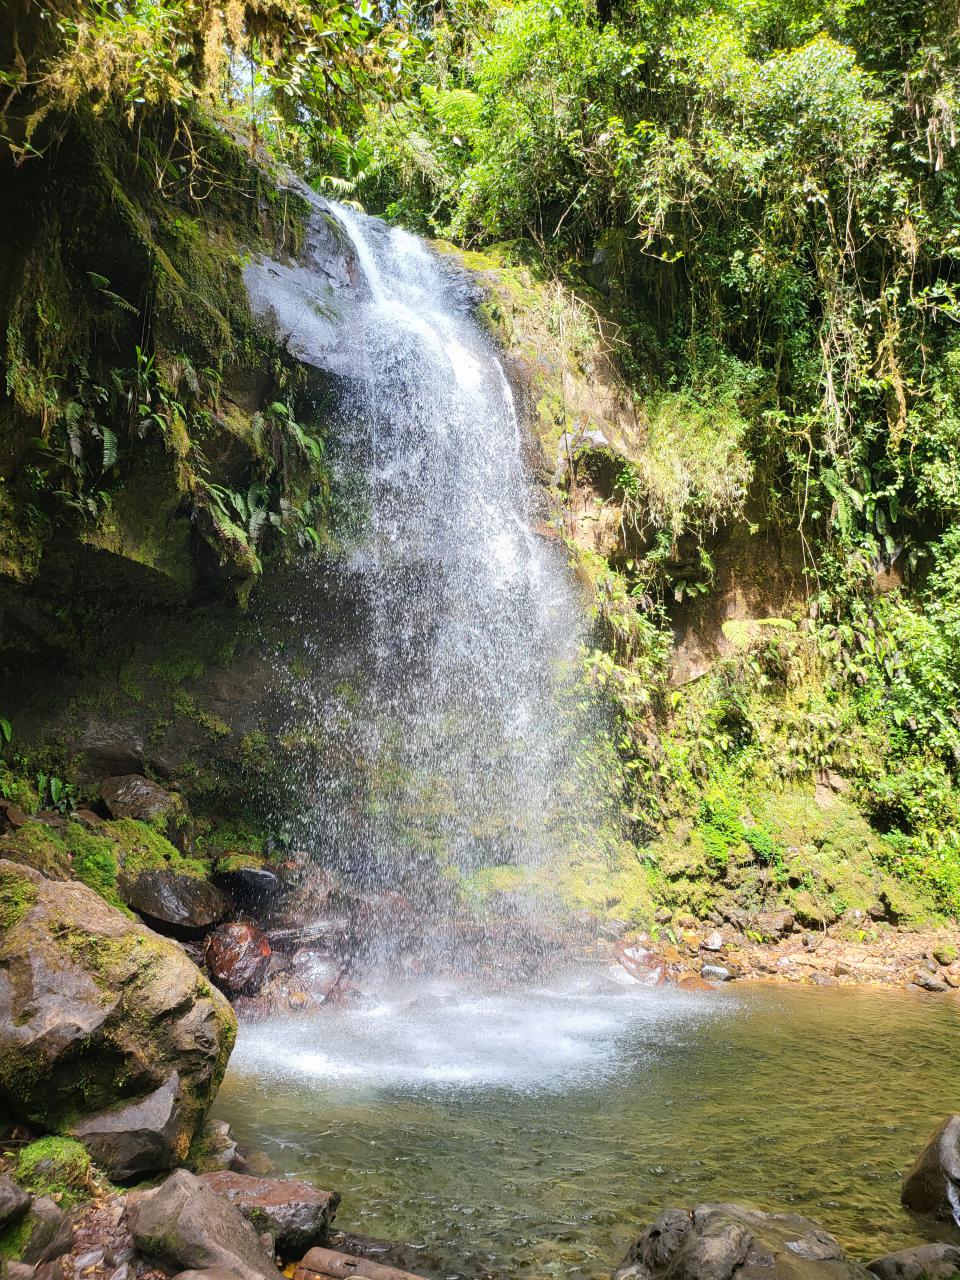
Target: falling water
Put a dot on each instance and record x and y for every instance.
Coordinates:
(434, 692)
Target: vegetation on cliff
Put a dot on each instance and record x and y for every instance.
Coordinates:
(743, 218)
(761, 201)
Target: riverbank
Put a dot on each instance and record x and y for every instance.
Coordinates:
(857, 951)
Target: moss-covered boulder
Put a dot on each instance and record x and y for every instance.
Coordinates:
(111, 859)
(107, 1031)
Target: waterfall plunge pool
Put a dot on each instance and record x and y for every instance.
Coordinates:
(533, 1134)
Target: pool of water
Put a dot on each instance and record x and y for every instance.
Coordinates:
(532, 1135)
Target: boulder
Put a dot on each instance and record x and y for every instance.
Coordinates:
(933, 1184)
(294, 1213)
(130, 795)
(46, 1232)
(725, 1241)
(105, 1027)
(186, 1226)
(184, 906)
(137, 1138)
(713, 941)
(238, 956)
(14, 1201)
(328, 1264)
(922, 1262)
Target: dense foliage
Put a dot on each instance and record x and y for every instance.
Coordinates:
(762, 198)
(764, 195)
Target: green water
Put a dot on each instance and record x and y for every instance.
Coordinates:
(534, 1136)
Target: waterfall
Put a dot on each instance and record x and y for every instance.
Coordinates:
(436, 686)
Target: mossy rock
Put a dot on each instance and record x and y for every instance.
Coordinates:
(58, 1167)
(104, 860)
(124, 1016)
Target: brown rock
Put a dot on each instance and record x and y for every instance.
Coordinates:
(327, 1264)
(296, 1214)
(184, 906)
(238, 956)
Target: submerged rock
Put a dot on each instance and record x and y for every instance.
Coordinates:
(238, 956)
(295, 1214)
(185, 906)
(185, 1225)
(104, 1026)
(723, 1241)
(922, 1262)
(933, 1184)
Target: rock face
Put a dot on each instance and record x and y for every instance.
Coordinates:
(923, 1262)
(295, 1214)
(130, 795)
(237, 956)
(723, 1241)
(185, 906)
(187, 1226)
(933, 1184)
(104, 1026)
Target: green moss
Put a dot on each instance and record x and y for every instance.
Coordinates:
(141, 847)
(39, 846)
(58, 1167)
(17, 896)
(239, 862)
(15, 1239)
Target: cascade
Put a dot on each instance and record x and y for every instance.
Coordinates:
(440, 684)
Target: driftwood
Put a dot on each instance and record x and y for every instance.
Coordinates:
(328, 1264)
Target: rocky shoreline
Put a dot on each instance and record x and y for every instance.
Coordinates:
(772, 947)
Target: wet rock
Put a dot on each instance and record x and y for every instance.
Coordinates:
(184, 906)
(713, 941)
(47, 1232)
(136, 1139)
(724, 1241)
(130, 795)
(254, 887)
(295, 1214)
(14, 1201)
(185, 1225)
(238, 956)
(929, 982)
(922, 1262)
(119, 1031)
(328, 1264)
(716, 973)
(933, 1184)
